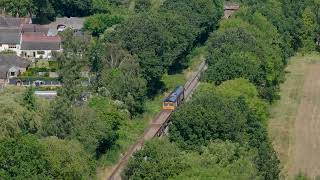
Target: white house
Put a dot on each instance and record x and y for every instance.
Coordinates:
(10, 32)
(26, 39)
(39, 46)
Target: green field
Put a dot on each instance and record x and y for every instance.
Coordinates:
(284, 112)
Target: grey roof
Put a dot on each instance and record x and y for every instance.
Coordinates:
(35, 28)
(3, 72)
(12, 21)
(9, 38)
(28, 45)
(8, 61)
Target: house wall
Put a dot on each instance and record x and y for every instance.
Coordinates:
(4, 47)
(2, 81)
(46, 54)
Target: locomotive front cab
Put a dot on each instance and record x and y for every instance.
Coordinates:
(169, 105)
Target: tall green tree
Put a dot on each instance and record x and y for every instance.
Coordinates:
(18, 8)
(67, 159)
(60, 120)
(23, 157)
(308, 35)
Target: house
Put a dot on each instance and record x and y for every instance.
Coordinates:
(10, 32)
(11, 66)
(39, 46)
(26, 39)
(10, 40)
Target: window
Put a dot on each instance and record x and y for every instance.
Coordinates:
(40, 52)
(12, 73)
(12, 46)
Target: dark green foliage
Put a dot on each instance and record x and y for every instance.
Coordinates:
(157, 160)
(220, 160)
(26, 157)
(162, 40)
(98, 23)
(71, 63)
(118, 74)
(23, 158)
(68, 159)
(29, 99)
(97, 129)
(72, 8)
(157, 40)
(60, 119)
(142, 5)
(260, 59)
(232, 112)
(209, 117)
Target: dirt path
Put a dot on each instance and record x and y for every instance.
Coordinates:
(306, 148)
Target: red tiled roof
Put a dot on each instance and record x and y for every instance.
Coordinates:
(40, 38)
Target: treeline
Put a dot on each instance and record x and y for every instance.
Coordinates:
(67, 138)
(256, 43)
(228, 115)
(47, 10)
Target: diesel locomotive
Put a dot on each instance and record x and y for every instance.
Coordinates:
(174, 99)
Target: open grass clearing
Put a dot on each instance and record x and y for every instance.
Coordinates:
(290, 120)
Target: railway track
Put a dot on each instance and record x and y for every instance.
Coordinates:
(157, 126)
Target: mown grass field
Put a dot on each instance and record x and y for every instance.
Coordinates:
(285, 113)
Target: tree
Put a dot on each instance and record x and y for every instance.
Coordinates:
(60, 120)
(157, 40)
(159, 159)
(29, 99)
(71, 63)
(18, 8)
(209, 117)
(97, 129)
(98, 23)
(67, 159)
(142, 5)
(221, 160)
(44, 11)
(308, 31)
(23, 157)
(73, 8)
(231, 111)
(260, 59)
(11, 118)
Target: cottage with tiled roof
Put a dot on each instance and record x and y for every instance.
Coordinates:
(39, 46)
(26, 39)
(11, 66)
(10, 33)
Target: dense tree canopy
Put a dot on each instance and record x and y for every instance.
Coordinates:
(232, 111)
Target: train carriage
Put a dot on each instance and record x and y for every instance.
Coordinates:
(174, 99)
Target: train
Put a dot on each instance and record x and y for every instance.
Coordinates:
(174, 99)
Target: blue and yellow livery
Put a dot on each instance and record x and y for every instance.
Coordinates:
(174, 99)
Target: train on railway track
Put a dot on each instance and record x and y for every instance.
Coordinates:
(174, 99)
